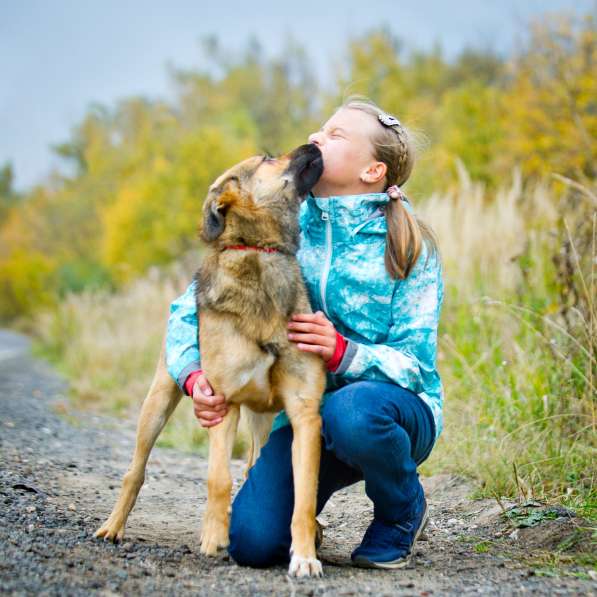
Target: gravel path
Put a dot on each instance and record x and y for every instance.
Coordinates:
(60, 471)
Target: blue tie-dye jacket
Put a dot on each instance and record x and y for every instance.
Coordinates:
(390, 325)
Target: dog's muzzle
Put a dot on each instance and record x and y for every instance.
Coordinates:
(306, 167)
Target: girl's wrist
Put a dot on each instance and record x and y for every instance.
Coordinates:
(190, 381)
(333, 363)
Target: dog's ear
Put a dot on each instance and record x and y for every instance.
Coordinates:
(213, 222)
(215, 210)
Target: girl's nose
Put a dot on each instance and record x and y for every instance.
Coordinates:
(315, 138)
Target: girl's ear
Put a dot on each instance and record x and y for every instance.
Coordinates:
(374, 172)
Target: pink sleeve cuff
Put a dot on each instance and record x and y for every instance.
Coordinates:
(190, 381)
(333, 363)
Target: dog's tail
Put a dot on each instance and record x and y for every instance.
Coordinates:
(258, 427)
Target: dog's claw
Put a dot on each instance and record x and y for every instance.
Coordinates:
(210, 547)
(301, 567)
(214, 536)
(109, 533)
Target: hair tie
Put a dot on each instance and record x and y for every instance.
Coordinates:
(394, 192)
(388, 120)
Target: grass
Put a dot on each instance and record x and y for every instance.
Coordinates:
(108, 345)
(482, 547)
(517, 342)
(516, 360)
(568, 559)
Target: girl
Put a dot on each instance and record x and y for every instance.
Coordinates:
(374, 279)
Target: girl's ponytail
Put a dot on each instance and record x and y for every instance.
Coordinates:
(405, 237)
(403, 240)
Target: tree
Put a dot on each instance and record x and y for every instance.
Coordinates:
(551, 125)
(8, 196)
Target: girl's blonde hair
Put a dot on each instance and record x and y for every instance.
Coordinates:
(393, 146)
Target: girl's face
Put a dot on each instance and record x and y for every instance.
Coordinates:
(348, 163)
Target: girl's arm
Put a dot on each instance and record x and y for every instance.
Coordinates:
(182, 344)
(408, 357)
(182, 338)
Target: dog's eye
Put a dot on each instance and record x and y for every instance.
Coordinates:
(267, 157)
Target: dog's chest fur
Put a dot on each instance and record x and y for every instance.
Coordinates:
(259, 289)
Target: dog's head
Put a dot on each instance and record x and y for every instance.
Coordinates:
(257, 201)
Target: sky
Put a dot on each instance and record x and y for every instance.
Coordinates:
(57, 57)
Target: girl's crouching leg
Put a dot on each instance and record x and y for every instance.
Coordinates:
(262, 508)
(257, 543)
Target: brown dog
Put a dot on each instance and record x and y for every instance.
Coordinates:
(249, 284)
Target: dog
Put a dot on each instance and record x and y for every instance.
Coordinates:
(248, 285)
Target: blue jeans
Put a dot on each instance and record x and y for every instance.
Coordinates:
(372, 430)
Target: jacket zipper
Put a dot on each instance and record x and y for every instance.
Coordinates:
(328, 260)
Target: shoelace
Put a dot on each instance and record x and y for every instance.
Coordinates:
(406, 527)
(382, 535)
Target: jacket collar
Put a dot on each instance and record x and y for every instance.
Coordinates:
(348, 210)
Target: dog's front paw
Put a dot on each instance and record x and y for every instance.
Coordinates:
(304, 567)
(111, 530)
(213, 536)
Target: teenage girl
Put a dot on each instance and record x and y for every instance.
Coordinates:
(374, 278)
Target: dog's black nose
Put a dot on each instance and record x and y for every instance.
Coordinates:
(306, 165)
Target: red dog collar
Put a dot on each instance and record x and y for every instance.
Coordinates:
(245, 247)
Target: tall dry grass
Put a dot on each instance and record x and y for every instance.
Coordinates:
(517, 357)
(517, 341)
(108, 345)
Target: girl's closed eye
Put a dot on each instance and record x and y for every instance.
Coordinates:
(337, 133)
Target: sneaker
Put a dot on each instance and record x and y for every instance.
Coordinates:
(390, 545)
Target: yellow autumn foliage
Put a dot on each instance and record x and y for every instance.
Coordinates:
(139, 171)
(154, 216)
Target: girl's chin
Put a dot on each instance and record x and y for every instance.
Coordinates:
(325, 188)
(318, 187)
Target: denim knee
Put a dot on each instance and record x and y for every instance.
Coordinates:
(353, 425)
(255, 543)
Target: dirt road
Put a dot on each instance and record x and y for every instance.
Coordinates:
(60, 471)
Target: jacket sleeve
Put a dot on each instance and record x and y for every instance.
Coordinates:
(408, 356)
(182, 338)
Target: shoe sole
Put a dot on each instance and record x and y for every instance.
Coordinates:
(363, 562)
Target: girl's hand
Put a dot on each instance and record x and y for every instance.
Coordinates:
(313, 332)
(209, 408)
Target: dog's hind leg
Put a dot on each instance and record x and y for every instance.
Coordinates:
(162, 398)
(214, 533)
